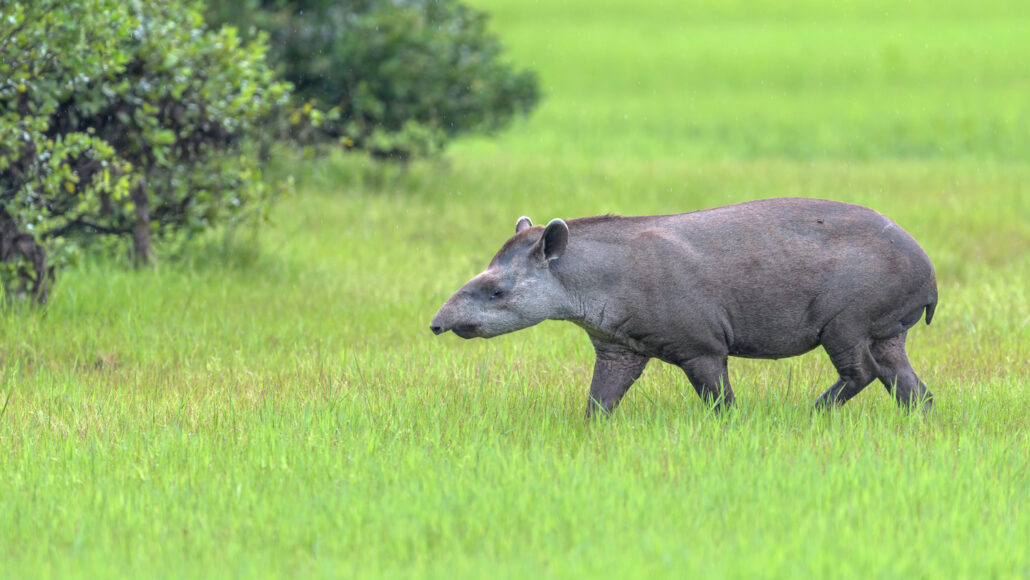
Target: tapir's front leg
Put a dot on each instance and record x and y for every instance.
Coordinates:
(615, 371)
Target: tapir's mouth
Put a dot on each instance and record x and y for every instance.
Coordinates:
(462, 330)
(466, 330)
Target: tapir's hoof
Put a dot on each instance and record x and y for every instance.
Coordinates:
(597, 409)
(924, 404)
(825, 402)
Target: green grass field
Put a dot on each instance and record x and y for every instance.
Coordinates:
(274, 404)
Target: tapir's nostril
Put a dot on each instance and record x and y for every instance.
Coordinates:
(435, 328)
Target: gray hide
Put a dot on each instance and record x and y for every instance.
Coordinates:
(763, 279)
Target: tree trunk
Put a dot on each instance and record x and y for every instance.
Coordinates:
(141, 229)
(32, 275)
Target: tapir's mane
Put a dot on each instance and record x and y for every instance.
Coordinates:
(519, 241)
(593, 220)
(531, 235)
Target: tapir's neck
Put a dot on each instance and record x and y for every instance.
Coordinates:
(596, 277)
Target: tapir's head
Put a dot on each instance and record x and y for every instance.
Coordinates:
(516, 291)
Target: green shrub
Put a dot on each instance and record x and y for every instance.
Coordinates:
(124, 119)
(396, 77)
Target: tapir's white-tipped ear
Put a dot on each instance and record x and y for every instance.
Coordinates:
(556, 237)
(523, 223)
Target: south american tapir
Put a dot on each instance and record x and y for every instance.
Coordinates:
(763, 279)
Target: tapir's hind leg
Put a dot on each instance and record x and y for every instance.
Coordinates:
(856, 367)
(895, 372)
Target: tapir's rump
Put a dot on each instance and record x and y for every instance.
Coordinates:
(763, 279)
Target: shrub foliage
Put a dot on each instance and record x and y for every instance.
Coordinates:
(126, 120)
(395, 77)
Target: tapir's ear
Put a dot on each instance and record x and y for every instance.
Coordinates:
(552, 243)
(523, 223)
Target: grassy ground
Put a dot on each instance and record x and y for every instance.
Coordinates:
(275, 404)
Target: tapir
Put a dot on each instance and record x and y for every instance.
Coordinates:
(763, 279)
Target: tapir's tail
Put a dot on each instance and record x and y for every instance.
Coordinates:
(929, 310)
(931, 303)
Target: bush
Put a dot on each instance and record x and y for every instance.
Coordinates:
(124, 119)
(396, 77)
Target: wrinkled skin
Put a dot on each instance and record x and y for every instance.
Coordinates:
(764, 279)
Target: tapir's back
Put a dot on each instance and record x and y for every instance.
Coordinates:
(775, 237)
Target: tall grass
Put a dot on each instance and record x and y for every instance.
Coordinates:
(273, 403)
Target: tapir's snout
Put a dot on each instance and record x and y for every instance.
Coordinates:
(447, 320)
(438, 326)
(444, 319)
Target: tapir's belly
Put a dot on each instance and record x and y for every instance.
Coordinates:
(740, 318)
(786, 346)
(776, 330)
